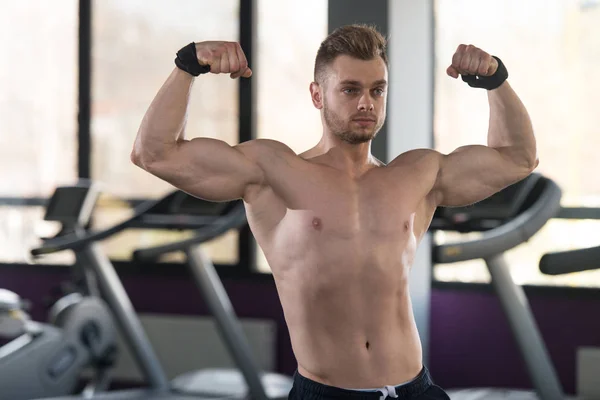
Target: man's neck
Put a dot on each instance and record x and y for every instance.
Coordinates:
(345, 156)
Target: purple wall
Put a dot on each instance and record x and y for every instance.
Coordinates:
(471, 343)
(470, 346)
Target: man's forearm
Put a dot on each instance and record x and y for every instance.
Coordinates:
(164, 122)
(510, 125)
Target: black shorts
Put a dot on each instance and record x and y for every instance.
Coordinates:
(420, 388)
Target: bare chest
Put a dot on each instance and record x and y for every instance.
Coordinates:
(345, 213)
(325, 206)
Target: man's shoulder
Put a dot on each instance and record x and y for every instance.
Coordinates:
(418, 158)
(261, 148)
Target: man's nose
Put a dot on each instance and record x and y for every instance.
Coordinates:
(366, 106)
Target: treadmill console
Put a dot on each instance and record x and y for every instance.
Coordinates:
(72, 205)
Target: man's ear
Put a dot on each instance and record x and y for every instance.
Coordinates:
(316, 94)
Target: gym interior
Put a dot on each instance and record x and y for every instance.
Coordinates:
(505, 293)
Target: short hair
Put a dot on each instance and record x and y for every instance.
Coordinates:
(360, 41)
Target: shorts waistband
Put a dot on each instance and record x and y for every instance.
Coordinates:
(413, 388)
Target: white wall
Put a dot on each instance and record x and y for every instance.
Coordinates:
(190, 343)
(410, 118)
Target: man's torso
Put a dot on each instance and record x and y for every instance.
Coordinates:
(340, 246)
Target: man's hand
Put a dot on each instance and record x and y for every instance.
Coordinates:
(470, 60)
(223, 58)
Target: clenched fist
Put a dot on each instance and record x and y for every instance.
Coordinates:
(223, 58)
(470, 60)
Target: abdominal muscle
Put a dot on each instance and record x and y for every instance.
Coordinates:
(349, 313)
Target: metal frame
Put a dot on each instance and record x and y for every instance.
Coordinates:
(215, 296)
(129, 323)
(247, 119)
(84, 139)
(523, 326)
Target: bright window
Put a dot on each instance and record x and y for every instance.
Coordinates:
(38, 100)
(38, 115)
(550, 48)
(135, 42)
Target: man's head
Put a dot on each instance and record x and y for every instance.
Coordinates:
(350, 82)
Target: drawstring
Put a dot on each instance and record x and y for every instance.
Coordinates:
(388, 391)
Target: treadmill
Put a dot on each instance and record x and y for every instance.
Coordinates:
(506, 220)
(179, 211)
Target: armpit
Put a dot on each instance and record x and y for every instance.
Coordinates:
(424, 215)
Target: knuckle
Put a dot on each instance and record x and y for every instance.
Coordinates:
(205, 55)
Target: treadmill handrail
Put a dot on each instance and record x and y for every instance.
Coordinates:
(570, 261)
(506, 236)
(77, 242)
(174, 221)
(233, 219)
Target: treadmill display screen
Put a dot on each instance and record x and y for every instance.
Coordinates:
(66, 204)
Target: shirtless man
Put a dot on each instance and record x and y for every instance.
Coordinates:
(337, 226)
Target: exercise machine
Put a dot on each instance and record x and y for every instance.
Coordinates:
(208, 220)
(506, 220)
(46, 359)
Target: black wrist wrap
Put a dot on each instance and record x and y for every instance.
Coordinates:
(488, 82)
(188, 61)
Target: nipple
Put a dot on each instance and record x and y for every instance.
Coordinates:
(317, 224)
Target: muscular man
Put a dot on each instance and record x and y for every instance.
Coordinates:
(338, 227)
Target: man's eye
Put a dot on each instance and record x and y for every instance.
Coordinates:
(350, 90)
(379, 91)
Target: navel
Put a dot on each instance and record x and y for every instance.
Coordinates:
(406, 226)
(367, 345)
(317, 223)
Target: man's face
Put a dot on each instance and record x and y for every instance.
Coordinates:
(353, 98)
